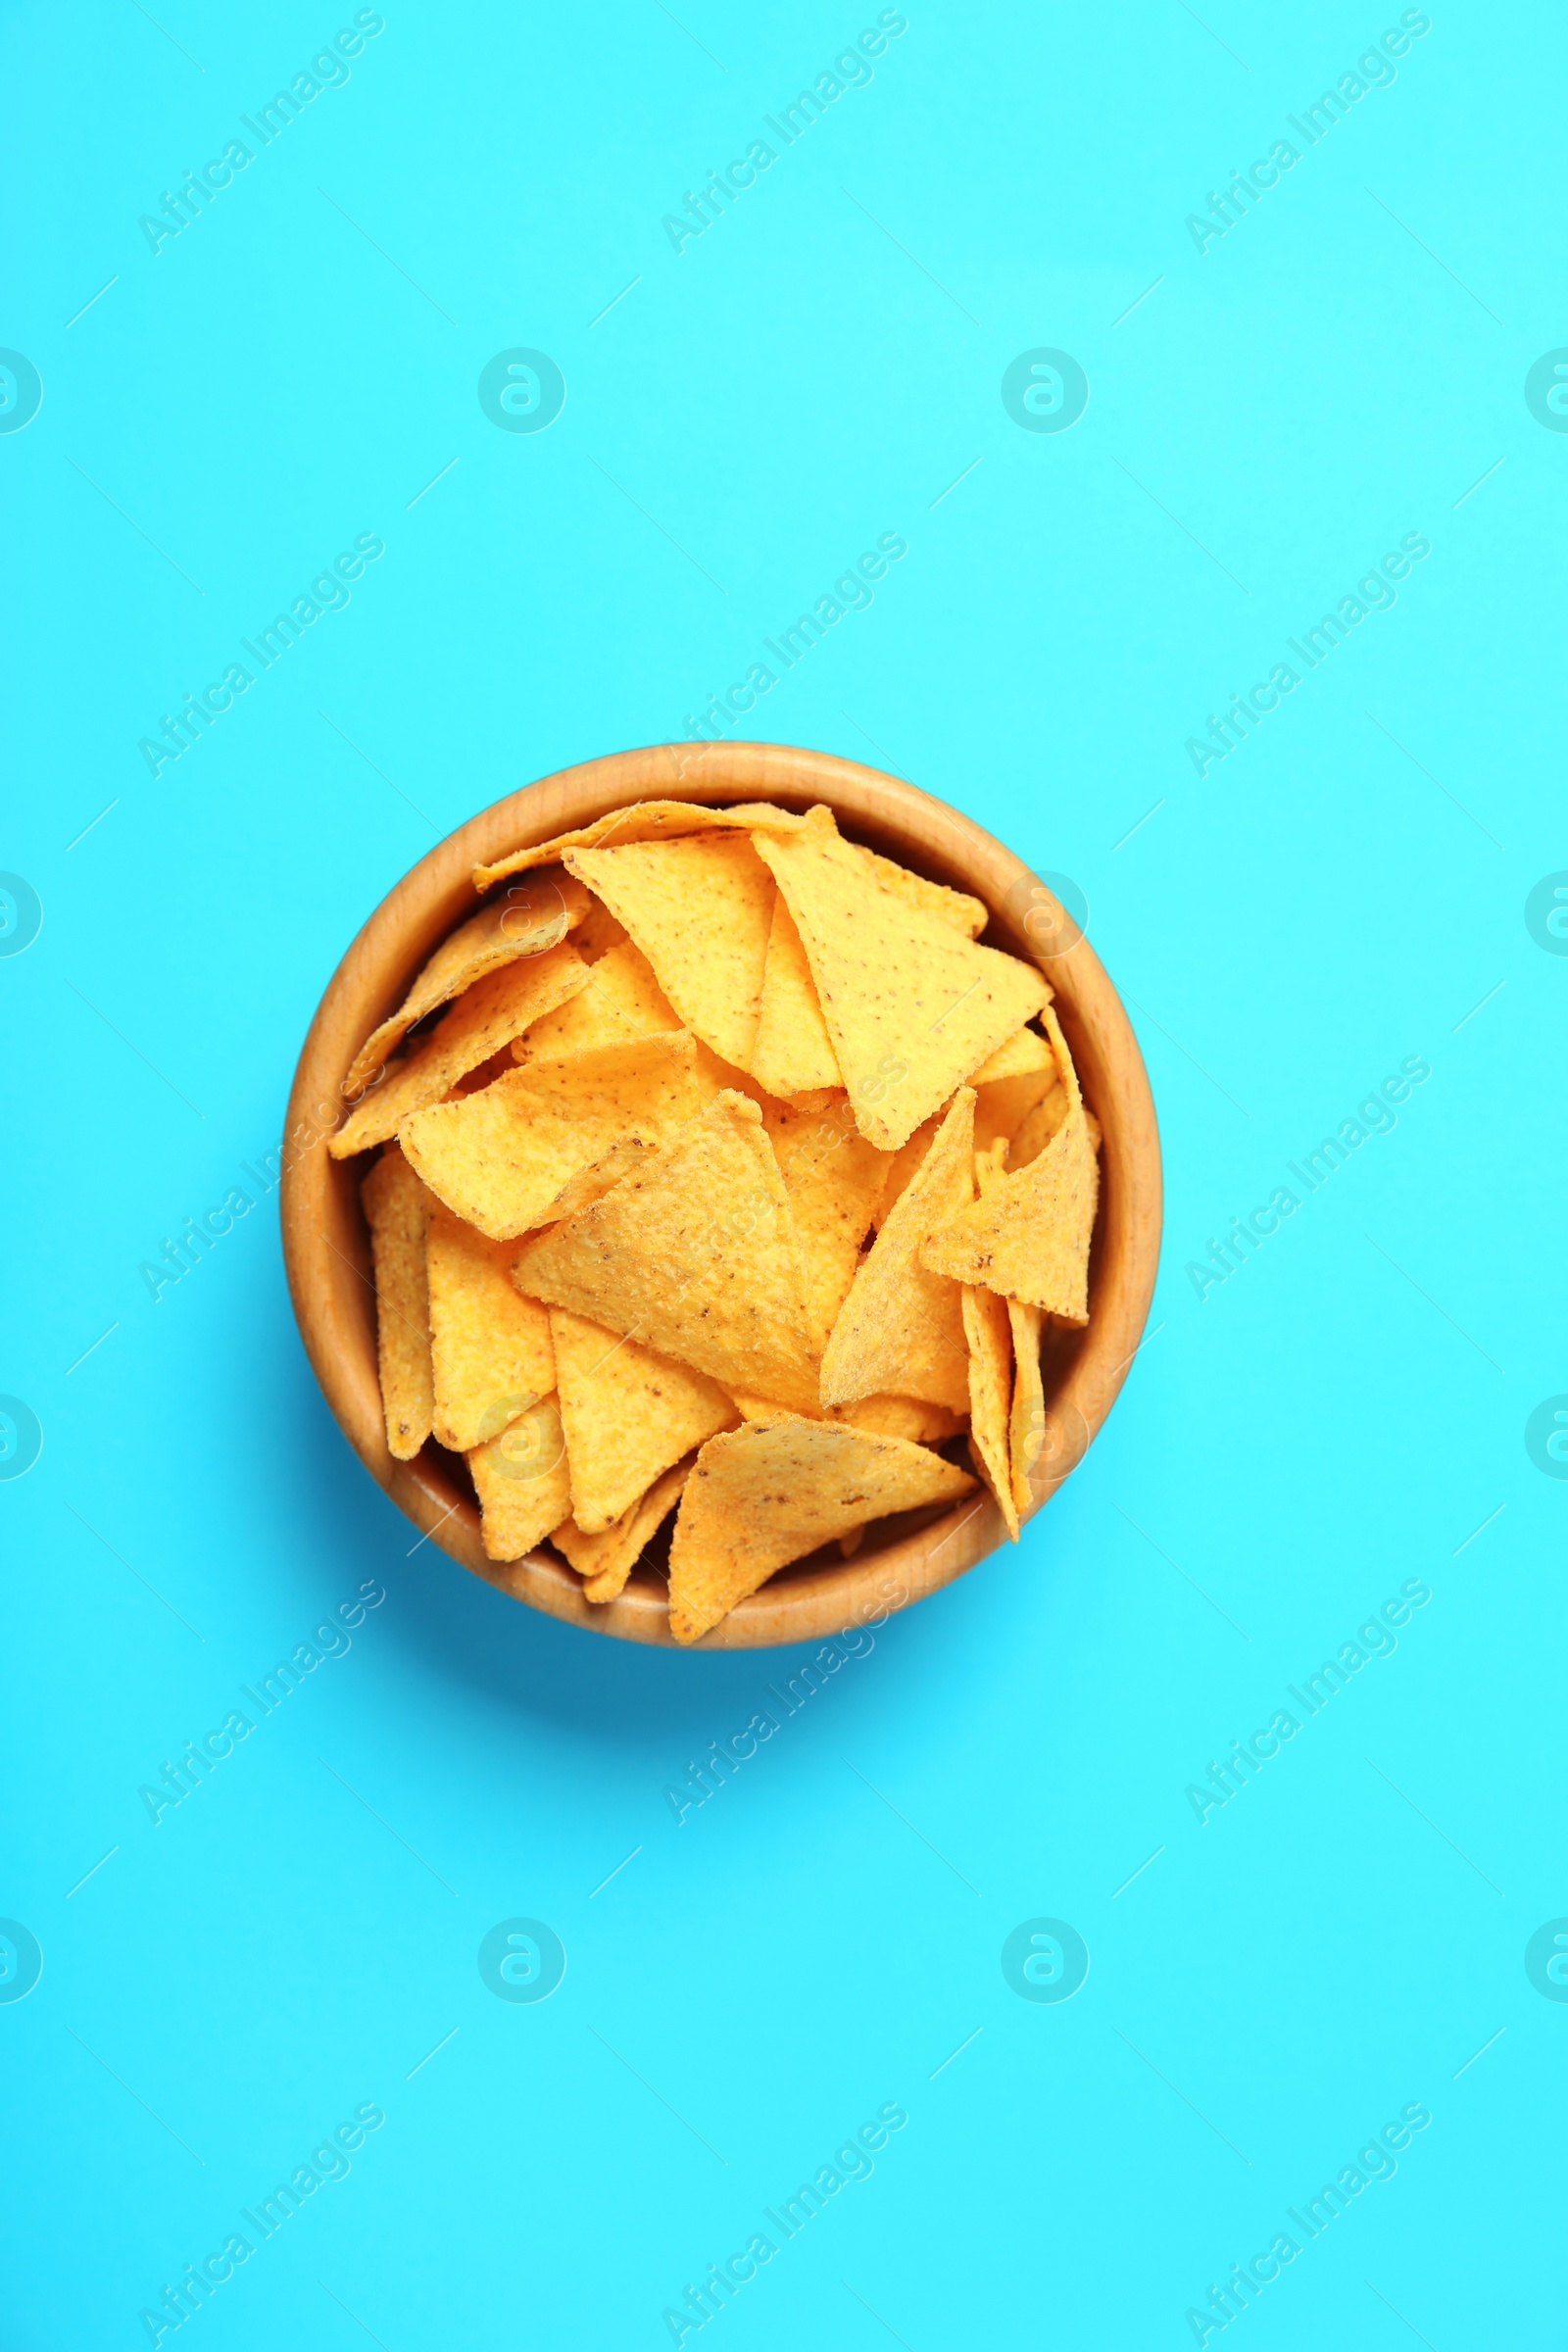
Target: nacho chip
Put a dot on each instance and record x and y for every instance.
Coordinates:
(986, 1327)
(900, 1331)
(695, 1254)
(1027, 1421)
(902, 1417)
(700, 910)
(485, 1017)
(627, 1413)
(648, 820)
(598, 933)
(1017, 1057)
(906, 1166)
(606, 1561)
(792, 1054)
(768, 1409)
(621, 1001)
(953, 908)
(530, 923)
(393, 1203)
(490, 1346)
(910, 1005)
(768, 1494)
(1028, 1238)
(548, 1136)
(1038, 1125)
(520, 1479)
(1002, 1109)
(834, 1179)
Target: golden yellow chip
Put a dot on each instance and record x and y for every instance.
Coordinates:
(1004, 1110)
(606, 1560)
(768, 1409)
(552, 1134)
(1037, 1126)
(394, 1204)
(696, 1254)
(598, 933)
(628, 1414)
(984, 1323)
(1016, 1058)
(530, 924)
(1027, 1423)
(487, 1015)
(1028, 1237)
(911, 1006)
(521, 1482)
(648, 820)
(955, 907)
(834, 1179)
(902, 1417)
(906, 1163)
(792, 1054)
(767, 1493)
(621, 1001)
(700, 910)
(490, 1346)
(900, 1331)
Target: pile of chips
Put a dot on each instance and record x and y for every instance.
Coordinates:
(736, 1180)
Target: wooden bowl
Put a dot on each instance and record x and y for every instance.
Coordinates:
(326, 1249)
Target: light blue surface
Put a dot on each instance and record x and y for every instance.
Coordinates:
(1340, 1943)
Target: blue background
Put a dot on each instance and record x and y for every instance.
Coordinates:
(1344, 890)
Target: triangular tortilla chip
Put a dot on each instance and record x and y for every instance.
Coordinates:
(768, 1494)
(1027, 1422)
(1038, 1125)
(768, 1409)
(530, 924)
(647, 820)
(1028, 1237)
(1016, 1058)
(395, 1203)
(489, 1344)
(521, 1482)
(696, 1254)
(986, 1327)
(906, 1163)
(792, 1054)
(900, 1417)
(485, 1017)
(621, 1001)
(911, 1006)
(628, 1414)
(700, 910)
(598, 933)
(1002, 1109)
(834, 1179)
(606, 1561)
(547, 1137)
(900, 1331)
(955, 907)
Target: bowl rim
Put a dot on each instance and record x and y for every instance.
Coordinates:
(326, 1246)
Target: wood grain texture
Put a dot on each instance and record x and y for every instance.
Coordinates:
(327, 1251)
